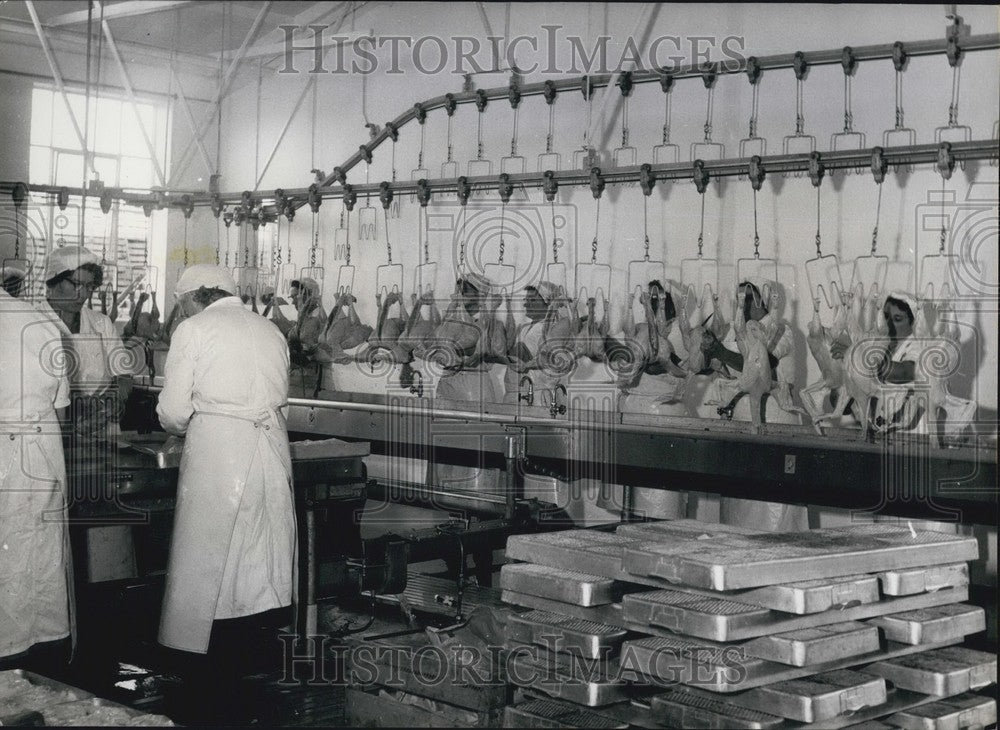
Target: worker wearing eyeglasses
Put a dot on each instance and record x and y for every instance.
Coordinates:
(100, 363)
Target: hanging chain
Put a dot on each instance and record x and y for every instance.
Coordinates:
(347, 243)
(625, 129)
(551, 134)
(848, 114)
(597, 227)
(427, 238)
(422, 143)
(394, 160)
(708, 115)
(218, 242)
(701, 231)
(899, 99)
(819, 241)
(590, 111)
(645, 225)
(555, 245)
(756, 235)
(185, 242)
(315, 244)
(388, 245)
(246, 246)
(423, 136)
(228, 246)
(944, 217)
(479, 137)
(276, 254)
(461, 244)
(513, 139)
(666, 119)
(878, 213)
(753, 110)
(800, 119)
(503, 212)
(956, 74)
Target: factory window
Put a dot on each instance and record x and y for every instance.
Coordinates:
(121, 159)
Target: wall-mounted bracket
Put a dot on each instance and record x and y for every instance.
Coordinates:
(385, 194)
(550, 186)
(315, 199)
(596, 182)
(463, 189)
(879, 165)
(701, 176)
(800, 65)
(756, 172)
(423, 192)
(945, 160)
(505, 188)
(646, 178)
(816, 169)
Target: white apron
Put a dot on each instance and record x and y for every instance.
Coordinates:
(36, 582)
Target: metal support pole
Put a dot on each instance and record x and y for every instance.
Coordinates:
(186, 107)
(284, 131)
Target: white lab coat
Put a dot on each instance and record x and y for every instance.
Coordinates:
(232, 552)
(894, 396)
(36, 597)
(543, 383)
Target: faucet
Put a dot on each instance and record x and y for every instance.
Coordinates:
(529, 396)
(557, 409)
(418, 387)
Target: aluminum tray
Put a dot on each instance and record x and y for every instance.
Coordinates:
(686, 528)
(585, 551)
(816, 698)
(726, 668)
(953, 713)
(580, 589)
(775, 558)
(680, 708)
(584, 684)
(692, 614)
(562, 633)
(555, 714)
(908, 581)
(943, 672)
(932, 624)
(613, 614)
(808, 647)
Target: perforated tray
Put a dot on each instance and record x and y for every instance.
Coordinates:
(774, 558)
(614, 615)
(555, 714)
(943, 672)
(954, 713)
(585, 551)
(585, 682)
(819, 645)
(680, 708)
(726, 668)
(815, 698)
(692, 614)
(561, 633)
(580, 589)
(932, 624)
(907, 581)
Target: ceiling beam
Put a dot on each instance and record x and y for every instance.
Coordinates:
(127, 9)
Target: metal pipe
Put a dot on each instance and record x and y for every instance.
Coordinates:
(284, 131)
(191, 122)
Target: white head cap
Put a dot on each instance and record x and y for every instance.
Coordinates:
(68, 258)
(209, 276)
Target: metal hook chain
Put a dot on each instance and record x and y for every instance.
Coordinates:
(819, 241)
(503, 212)
(800, 119)
(513, 139)
(228, 246)
(944, 233)
(449, 145)
(590, 110)
(756, 235)
(549, 137)
(878, 213)
(246, 247)
(218, 243)
(666, 119)
(427, 238)
(185, 241)
(393, 160)
(848, 113)
(347, 243)
(597, 227)
(899, 99)
(701, 230)
(461, 245)
(479, 137)
(277, 252)
(388, 245)
(645, 225)
(555, 246)
(423, 137)
(955, 90)
(708, 115)
(753, 110)
(625, 126)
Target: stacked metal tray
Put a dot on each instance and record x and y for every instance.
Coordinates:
(740, 628)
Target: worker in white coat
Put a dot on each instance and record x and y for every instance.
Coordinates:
(36, 596)
(233, 545)
(102, 365)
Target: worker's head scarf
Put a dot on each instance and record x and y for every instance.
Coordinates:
(309, 285)
(68, 258)
(546, 290)
(476, 280)
(209, 276)
(906, 299)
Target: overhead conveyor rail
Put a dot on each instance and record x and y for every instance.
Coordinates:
(296, 198)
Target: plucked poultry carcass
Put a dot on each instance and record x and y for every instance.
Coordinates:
(495, 334)
(455, 339)
(866, 332)
(557, 351)
(388, 329)
(821, 341)
(712, 326)
(343, 331)
(590, 340)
